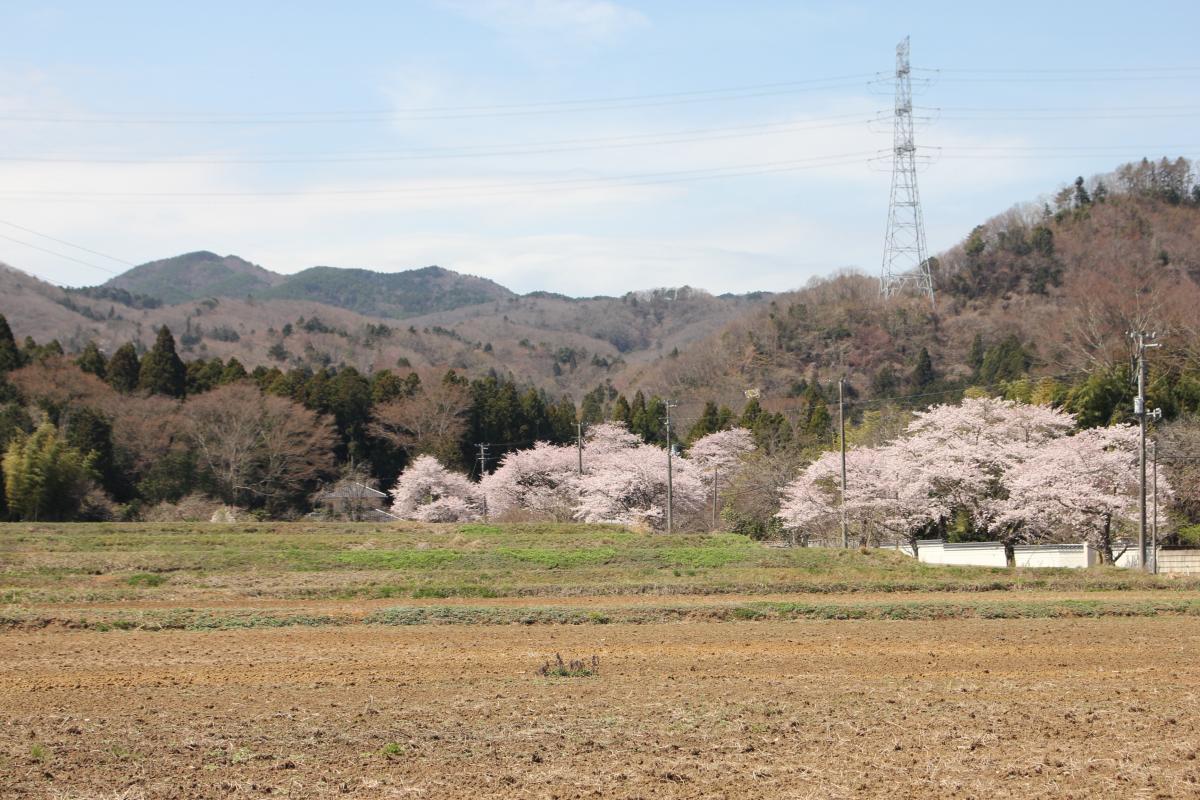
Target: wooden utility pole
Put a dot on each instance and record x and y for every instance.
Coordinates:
(483, 455)
(670, 477)
(842, 442)
(1142, 340)
(1154, 518)
(579, 444)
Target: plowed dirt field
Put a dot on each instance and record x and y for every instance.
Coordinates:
(1050, 708)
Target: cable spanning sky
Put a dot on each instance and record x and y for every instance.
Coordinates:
(576, 146)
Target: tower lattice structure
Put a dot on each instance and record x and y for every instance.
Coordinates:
(905, 260)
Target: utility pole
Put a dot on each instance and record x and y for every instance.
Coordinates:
(670, 477)
(842, 441)
(483, 455)
(905, 263)
(1142, 341)
(579, 444)
(1154, 519)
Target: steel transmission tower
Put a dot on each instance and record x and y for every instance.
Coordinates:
(904, 257)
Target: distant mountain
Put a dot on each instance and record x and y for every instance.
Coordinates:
(388, 294)
(562, 344)
(194, 276)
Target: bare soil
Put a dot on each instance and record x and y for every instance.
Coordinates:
(961, 708)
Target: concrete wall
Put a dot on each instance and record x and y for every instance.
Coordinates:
(1130, 559)
(1179, 562)
(929, 551)
(978, 554)
(1075, 556)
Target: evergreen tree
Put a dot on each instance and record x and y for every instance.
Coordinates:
(637, 414)
(92, 360)
(885, 382)
(1006, 361)
(562, 420)
(923, 374)
(90, 433)
(10, 356)
(591, 411)
(204, 376)
(233, 372)
(654, 430)
(708, 422)
(162, 371)
(817, 420)
(750, 413)
(622, 412)
(123, 369)
(975, 356)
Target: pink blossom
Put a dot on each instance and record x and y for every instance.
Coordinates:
(723, 452)
(625, 481)
(541, 480)
(428, 492)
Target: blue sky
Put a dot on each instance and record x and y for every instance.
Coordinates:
(578, 146)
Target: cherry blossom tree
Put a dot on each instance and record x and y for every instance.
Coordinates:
(886, 491)
(428, 492)
(1013, 468)
(606, 438)
(541, 480)
(625, 481)
(720, 456)
(1083, 484)
(723, 451)
(965, 451)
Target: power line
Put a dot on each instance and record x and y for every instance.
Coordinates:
(1054, 70)
(68, 244)
(478, 151)
(635, 179)
(59, 255)
(445, 112)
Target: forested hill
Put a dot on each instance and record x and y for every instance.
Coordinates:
(1033, 305)
(1038, 298)
(201, 275)
(1046, 289)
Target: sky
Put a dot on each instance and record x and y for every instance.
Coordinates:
(575, 146)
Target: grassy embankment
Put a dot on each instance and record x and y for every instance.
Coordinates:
(211, 576)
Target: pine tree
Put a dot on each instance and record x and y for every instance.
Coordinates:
(637, 414)
(708, 422)
(622, 412)
(233, 372)
(923, 374)
(92, 360)
(750, 413)
(10, 356)
(975, 356)
(123, 369)
(817, 420)
(162, 370)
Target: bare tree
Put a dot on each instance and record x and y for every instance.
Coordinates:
(256, 446)
(431, 421)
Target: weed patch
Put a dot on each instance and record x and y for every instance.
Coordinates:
(575, 668)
